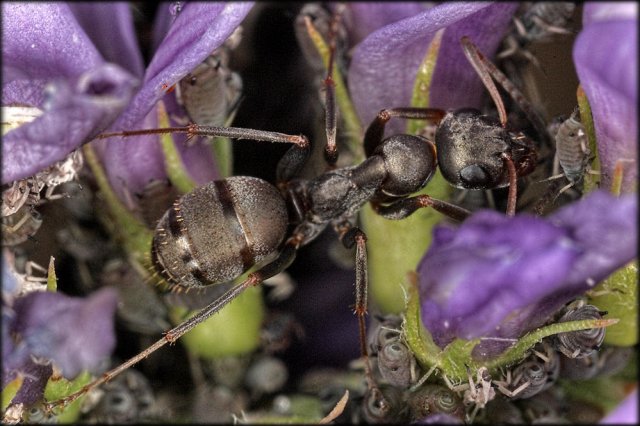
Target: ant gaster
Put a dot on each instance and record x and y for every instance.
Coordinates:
(223, 228)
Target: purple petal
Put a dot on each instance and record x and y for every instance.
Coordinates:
(75, 111)
(366, 17)
(609, 11)
(75, 333)
(110, 27)
(497, 276)
(625, 413)
(388, 59)
(605, 55)
(43, 40)
(35, 380)
(196, 32)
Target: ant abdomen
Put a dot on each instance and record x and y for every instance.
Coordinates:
(218, 231)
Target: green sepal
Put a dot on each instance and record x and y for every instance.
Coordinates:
(235, 330)
(52, 279)
(422, 87)
(586, 118)
(11, 390)
(618, 295)
(58, 387)
(133, 233)
(453, 360)
(174, 166)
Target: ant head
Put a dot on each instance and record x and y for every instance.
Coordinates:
(471, 149)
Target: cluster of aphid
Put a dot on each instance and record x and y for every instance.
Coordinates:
(266, 225)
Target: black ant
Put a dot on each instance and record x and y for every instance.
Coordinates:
(221, 229)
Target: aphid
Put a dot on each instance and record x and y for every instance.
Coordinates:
(390, 407)
(572, 150)
(474, 394)
(211, 92)
(579, 344)
(15, 196)
(431, 399)
(20, 226)
(535, 374)
(58, 173)
(396, 363)
(539, 22)
(221, 229)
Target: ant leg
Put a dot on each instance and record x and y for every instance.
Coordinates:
(486, 70)
(289, 165)
(375, 132)
(350, 235)
(512, 196)
(284, 259)
(407, 206)
(331, 115)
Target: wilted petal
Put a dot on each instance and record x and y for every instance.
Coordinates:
(75, 111)
(388, 59)
(499, 276)
(625, 413)
(35, 378)
(110, 26)
(197, 30)
(605, 55)
(75, 333)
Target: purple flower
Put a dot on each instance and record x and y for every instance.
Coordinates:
(50, 63)
(42, 328)
(605, 56)
(496, 276)
(186, 41)
(89, 94)
(388, 59)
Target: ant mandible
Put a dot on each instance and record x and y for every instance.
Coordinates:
(253, 217)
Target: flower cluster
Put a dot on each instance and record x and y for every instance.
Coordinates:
(483, 286)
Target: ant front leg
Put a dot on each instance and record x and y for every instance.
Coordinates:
(405, 207)
(375, 132)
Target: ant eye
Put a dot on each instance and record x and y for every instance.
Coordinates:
(474, 176)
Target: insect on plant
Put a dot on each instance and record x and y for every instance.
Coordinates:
(223, 228)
